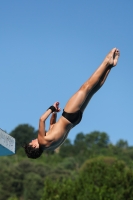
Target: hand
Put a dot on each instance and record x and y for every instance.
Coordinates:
(56, 105)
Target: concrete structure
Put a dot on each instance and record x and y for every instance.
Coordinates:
(7, 144)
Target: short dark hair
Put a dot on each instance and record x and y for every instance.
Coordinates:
(32, 152)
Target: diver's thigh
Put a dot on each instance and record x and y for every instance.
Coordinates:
(76, 101)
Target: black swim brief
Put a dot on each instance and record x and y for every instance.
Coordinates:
(74, 118)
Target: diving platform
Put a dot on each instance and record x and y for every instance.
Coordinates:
(7, 144)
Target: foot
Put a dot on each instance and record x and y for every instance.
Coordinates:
(116, 56)
(112, 57)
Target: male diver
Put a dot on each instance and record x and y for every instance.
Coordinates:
(73, 111)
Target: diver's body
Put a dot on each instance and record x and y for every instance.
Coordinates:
(72, 113)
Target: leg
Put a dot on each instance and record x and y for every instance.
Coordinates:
(81, 98)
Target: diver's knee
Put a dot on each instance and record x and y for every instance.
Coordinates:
(86, 87)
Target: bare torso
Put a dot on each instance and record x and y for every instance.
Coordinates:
(58, 133)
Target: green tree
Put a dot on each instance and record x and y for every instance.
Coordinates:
(58, 190)
(23, 133)
(13, 198)
(122, 144)
(106, 178)
(103, 178)
(66, 149)
(80, 144)
(10, 180)
(97, 139)
(80, 138)
(33, 185)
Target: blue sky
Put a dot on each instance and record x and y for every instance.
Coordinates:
(49, 48)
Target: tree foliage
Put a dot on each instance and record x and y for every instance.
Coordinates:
(105, 178)
(89, 168)
(23, 134)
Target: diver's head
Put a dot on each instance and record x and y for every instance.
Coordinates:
(33, 149)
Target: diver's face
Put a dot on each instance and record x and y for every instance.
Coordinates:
(34, 143)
